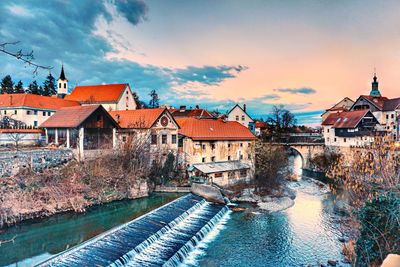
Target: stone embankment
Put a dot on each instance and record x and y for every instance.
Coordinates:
(13, 162)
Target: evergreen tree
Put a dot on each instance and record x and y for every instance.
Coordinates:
(33, 88)
(49, 86)
(41, 91)
(154, 102)
(7, 85)
(19, 88)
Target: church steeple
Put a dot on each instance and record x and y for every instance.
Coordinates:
(374, 88)
(62, 84)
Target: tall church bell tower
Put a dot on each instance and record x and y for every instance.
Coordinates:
(62, 84)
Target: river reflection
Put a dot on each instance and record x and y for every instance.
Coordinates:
(301, 235)
(37, 241)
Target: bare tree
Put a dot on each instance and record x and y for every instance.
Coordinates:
(26, 57)
(16, 137)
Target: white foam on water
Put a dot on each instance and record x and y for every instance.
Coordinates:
(194, 256)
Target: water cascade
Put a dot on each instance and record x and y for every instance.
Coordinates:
(163, 237)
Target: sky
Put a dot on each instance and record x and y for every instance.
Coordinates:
(306, 55)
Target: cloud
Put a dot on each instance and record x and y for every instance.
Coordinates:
(65, 32)
(302, 90)
(19, 11)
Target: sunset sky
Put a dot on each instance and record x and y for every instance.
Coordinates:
(306, 55)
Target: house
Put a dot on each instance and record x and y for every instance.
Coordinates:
(239, 114)
(197, 112)
(157, 127)
(343, 105)
(82, 128)
(226, 146)
(31, 110)
(350, 128)
(110, 96)
(390, 117)
(260, 127)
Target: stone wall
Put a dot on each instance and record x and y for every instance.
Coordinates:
(12, 162)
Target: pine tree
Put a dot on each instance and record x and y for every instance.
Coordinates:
(41, 91)
(49, 86)
(137, 100)
(33, 88)
(154, 102)
(19, 88)
(7, 85)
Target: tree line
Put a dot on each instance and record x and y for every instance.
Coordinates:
(48, 88)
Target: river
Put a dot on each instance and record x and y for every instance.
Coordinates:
(37, 240)
(307, 233)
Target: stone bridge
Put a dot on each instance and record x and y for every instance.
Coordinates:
(307, 151)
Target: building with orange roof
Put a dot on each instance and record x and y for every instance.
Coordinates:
(343, 105)
(239, 114)
(154, 127)
(350, 128)
(226, 147)
(30, 109)
(81, 128)
(110, 96)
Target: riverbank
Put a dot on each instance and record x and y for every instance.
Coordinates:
(73, 186)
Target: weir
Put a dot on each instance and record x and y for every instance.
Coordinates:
(163, 237)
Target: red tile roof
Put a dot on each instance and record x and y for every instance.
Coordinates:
(213, 129)
(70, 117)
(392, 104)
(139, 118)
(97, 93)
(35, 101)
(194, 113)
(260, 124)
(377, 101)
(346, 119)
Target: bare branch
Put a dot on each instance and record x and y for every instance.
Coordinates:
(27, 58)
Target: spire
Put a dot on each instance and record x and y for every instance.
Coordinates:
(62, 75)
(374, 88)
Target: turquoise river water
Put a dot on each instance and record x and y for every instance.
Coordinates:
(305, 234)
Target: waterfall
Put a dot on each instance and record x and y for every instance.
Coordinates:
(163, 237)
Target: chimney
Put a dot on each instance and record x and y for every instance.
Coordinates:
(197, 106)
(244, 107)
(182, 108)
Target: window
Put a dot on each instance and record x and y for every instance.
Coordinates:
(44, 113)
(334, 140)
(59, 85)
(28, 112)
(243, 173)
(126, 91)
(242, 117)
(229, 157)
(203, 146)
(163, 139)
(35, 112)
(173, 138)
(212, 146)
(387, 116)
(240, 156)
(237, 117)
(213, 158)
(241, 144)
(65, 85)
(218, 175)
(35, 123)
(392, 116)
(5, 111)
(154, 139)
(15, 112)
(327, 130)
(344, 140)
(123, 138)
(229, 145)
(203, 159)
(49, 113)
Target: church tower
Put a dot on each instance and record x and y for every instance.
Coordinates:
(62, 84)
(374, 88)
